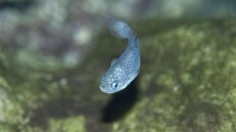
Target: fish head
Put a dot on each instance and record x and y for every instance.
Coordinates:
(114, 80)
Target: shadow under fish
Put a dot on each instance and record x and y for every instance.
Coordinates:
(120, 103)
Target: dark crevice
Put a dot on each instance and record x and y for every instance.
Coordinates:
(21, 5)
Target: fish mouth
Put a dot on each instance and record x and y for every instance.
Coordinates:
(104, 90)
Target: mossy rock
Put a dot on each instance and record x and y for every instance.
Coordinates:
(72, 124)
(187, 82)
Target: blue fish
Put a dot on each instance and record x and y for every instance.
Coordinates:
(123, 70)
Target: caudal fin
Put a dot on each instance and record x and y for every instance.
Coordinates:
(121, 29)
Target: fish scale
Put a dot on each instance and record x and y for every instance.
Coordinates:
(124, 69)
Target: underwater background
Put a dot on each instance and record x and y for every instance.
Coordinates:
(54, 52)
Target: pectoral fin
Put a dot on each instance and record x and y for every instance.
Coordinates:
(113, 61)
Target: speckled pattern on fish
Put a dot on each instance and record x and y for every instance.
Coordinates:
(124, 69)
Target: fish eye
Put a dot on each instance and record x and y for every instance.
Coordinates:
(114, 84)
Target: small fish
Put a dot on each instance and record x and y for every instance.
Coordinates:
(123, 70)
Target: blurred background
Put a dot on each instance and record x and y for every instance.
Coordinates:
(53, 53)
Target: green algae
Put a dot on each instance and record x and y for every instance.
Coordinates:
(193, 69)
(71, 124)
(187, 82)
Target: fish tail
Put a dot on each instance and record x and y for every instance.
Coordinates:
(122, 30)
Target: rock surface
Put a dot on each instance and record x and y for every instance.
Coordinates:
(187, 83)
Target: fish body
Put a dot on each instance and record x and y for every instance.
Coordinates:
(124, 69)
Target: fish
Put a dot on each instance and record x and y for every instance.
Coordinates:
(125, 69)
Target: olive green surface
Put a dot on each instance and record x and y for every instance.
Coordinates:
(186, 83)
